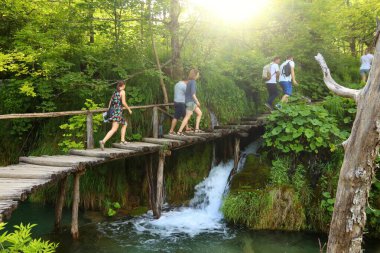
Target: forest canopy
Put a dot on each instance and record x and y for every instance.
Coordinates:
(56, 55)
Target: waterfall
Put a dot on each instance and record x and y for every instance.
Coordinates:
(214, 119)
(203, 213)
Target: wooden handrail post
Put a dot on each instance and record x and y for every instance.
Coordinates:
(155, 122)
(90, 131)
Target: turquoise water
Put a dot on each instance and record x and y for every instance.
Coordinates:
(120, 235)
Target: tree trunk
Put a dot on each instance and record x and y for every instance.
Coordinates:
(361, 150)
(177, 68)
(158, 64)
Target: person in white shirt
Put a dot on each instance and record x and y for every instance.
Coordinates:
(366, 63)
(272, 82)
(287, 78)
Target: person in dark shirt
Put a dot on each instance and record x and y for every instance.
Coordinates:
(192, 102)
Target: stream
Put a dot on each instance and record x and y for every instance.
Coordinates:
(197, 228)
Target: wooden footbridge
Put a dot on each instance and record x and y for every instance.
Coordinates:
(18, 181)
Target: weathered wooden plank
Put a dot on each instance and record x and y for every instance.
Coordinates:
(14, 189)
(208, 135)
(61, 161)
(33, 171)
(244, 127)
(111, 153)
(6, 208)
(250, 123)
(165, 142)
(138, 146)
(186, 138)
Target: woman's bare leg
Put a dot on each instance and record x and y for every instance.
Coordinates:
(198, 119)
(185, 120)
(123, 130)
(174, 123)
(115, 126)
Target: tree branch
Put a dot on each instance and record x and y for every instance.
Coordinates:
(331, 84)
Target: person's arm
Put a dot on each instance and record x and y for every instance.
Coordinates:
(124, 102)
(277, 74)
(193, 91)
(293, 76)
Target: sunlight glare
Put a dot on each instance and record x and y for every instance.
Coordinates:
(233, 10)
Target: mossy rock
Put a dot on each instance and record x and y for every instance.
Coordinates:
(253, 176)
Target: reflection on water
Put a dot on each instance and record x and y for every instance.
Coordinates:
(120, 239)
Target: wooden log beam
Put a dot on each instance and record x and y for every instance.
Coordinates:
(75, 207)
(60, 202)
(165, 142)
(70, 113)
(138, 146)
(186, 138)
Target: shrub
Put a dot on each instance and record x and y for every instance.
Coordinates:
(298, 127)
(21, 241)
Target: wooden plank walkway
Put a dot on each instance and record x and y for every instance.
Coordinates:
(18, 181)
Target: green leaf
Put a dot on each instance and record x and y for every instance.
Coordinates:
(309, 133)
(326, 195)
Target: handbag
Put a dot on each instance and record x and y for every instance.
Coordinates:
(107, 115)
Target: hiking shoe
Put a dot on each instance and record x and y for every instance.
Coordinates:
(278, 106)
(268, 106)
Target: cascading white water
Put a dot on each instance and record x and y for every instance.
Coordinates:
(214, 119)
(202, 215)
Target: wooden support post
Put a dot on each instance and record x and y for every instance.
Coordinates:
(90, 131)
(155, 122)
(60, 202)
(151, 181)
(76, 198)
(160, 184)
(236, 152)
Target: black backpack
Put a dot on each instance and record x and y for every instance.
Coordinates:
(287, 69)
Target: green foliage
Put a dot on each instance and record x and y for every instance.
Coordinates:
(279, 172)
(21, 241)
(111, 207)
(343, 110)
(298, 128)
(327, 202)
(75, 130)
(277, 208)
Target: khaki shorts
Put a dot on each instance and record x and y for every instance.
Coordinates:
(190, 106)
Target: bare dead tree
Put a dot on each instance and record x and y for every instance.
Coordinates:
(361, 150)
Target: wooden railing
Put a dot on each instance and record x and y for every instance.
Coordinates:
(89, 120)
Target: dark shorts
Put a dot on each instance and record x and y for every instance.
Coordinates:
(287, 88)
(179, 110)
(364, 71)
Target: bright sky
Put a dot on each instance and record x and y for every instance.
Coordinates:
(232, 10)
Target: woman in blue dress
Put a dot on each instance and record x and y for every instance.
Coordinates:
(115, 106)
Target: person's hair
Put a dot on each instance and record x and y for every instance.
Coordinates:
(289, 57)
(119, 84)
(193, 74)
(276, 58)
(368, 50)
